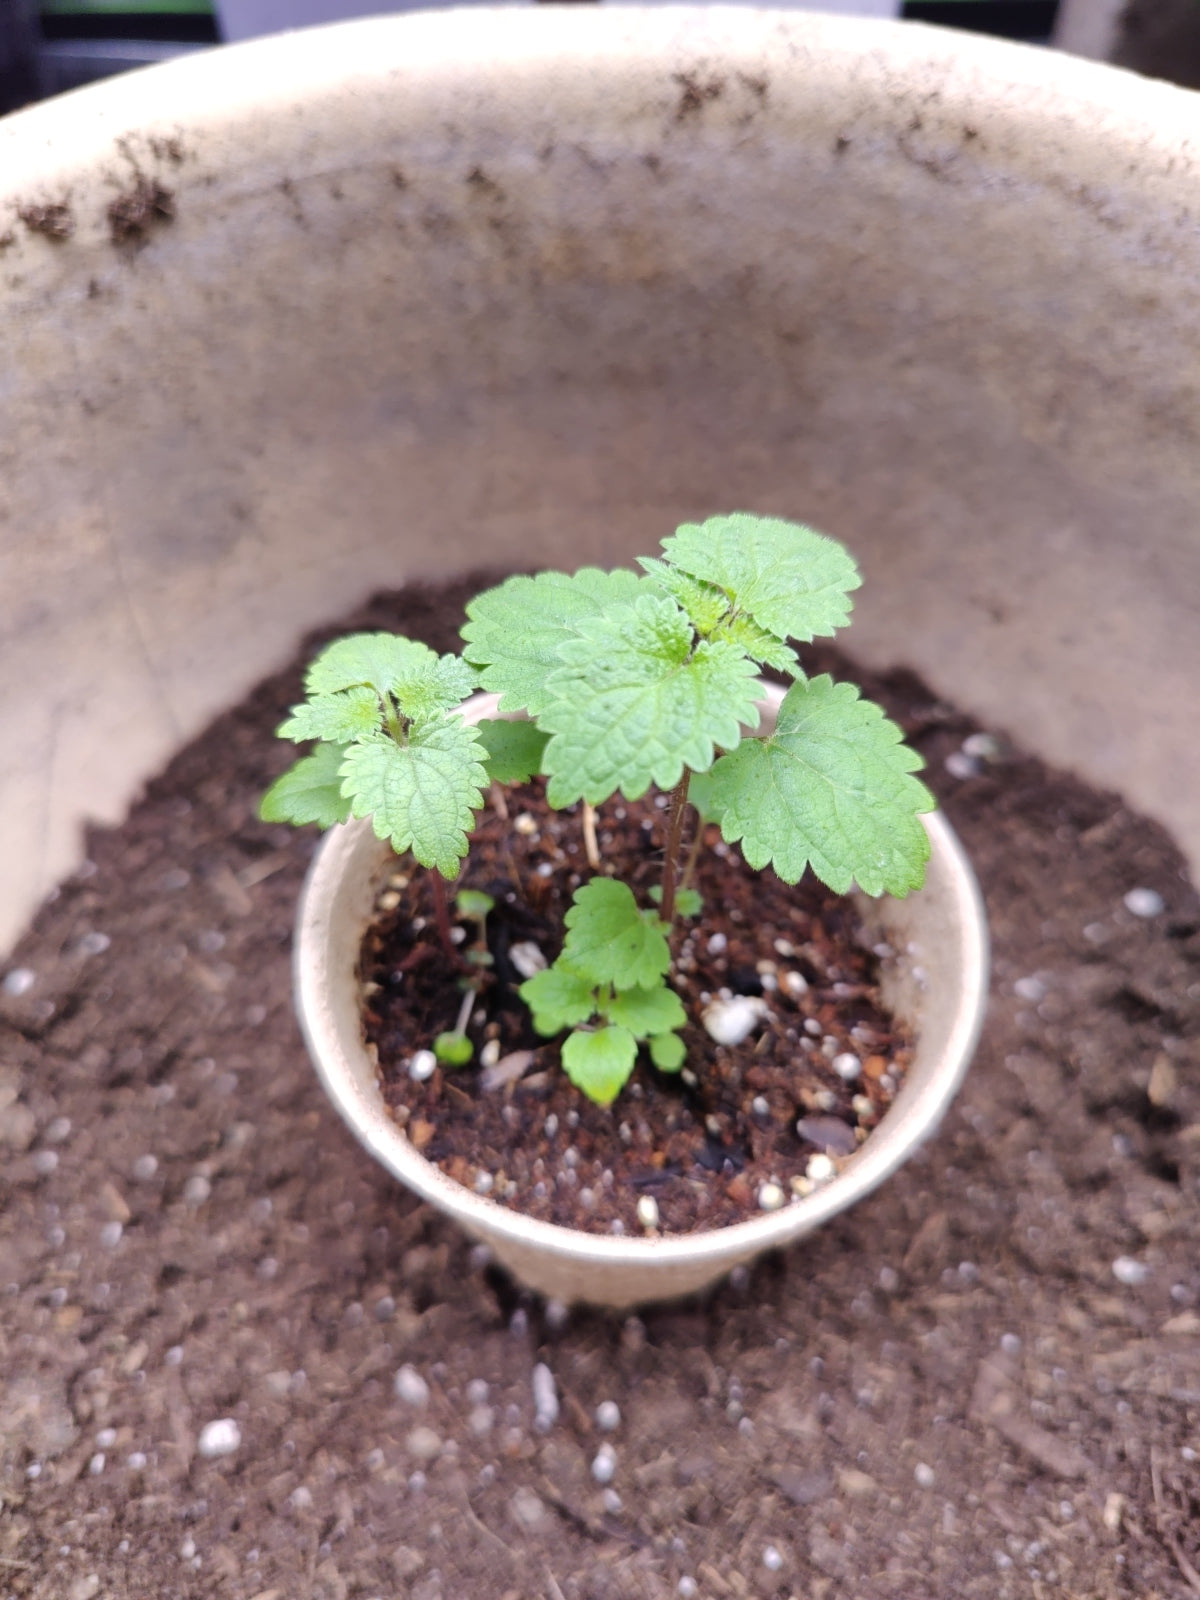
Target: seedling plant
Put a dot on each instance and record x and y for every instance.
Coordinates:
(624, 681)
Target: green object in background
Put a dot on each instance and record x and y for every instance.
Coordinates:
(104, 8)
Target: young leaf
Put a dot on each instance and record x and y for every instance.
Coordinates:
(634, 703)
(559, 997)
(610, 941)
(646, 1011)
(421, 682)
(473, 903)
(832, 786)
(453, 1049)
(600, 1063)
(760, 645)
(514, 749)
(343, 717)
(309, 791)
(668, 1052)
(704, 603)
(688, 902)
(420, 795)
(792, 581)
(513, 631)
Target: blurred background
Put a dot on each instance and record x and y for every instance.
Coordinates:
(48, 46)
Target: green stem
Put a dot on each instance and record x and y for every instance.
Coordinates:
(674, 837)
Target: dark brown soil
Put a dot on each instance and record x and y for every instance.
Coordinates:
(703, 1148)
(981, 1384)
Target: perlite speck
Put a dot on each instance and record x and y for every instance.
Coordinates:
(219, 1438)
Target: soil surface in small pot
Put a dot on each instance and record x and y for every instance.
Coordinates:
(980, 1384)
(816, 1072)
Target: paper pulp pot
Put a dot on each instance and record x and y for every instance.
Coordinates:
(937, 982)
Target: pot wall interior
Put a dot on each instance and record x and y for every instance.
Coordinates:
(415, 296)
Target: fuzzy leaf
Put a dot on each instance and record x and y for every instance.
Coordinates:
(514, 749)
(421, 795)
(792, 581)
(600, 1063)
(831, 787)
(610, 941)
(422, 683)
(559, 997)
(342, 718)
(646, 1010)
(309, 791)
(704, 603)
(513, 631)
(760, 645)
(633, 703)
(668, 1052)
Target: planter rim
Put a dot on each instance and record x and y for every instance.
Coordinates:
(919, 1114)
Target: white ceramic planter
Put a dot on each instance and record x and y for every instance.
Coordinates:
(938, 984)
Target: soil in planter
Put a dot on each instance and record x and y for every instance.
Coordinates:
(813, 1077)
(980, 1384)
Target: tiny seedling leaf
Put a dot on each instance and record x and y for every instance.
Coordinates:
(474, 904)
(634, 703)
(610, 941)
(341, 718)
(453, 1049)
(833, 787)
(309, 791)
(514, 749)
(792, 581)
(645, 1011)
(668, 1052)
(421, 795)
(422, 683)
(559, 997)
(760, 645)
(513, 631)
(599, 1063)
(688, 902)
(704, 603)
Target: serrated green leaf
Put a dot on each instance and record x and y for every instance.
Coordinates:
(704, 603)
(514, 749)
(610, 941)
(760, 645)
(422, 683)
(453, 1049)
(513, 631)
(634, 703)
(421, 795)
(688, 902)
(558, 997)
(645, 1011)
(793, 581)
(341, 718)
(600, 1063)
(832, 787)
(668, 1052)
(310, 791)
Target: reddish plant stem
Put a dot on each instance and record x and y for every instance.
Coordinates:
(674, 836)
(441, 911)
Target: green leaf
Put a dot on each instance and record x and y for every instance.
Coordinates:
(342, 718)
(453, 1049)
(645, 1011)
(559, 997)
(513, 631)
(633, 703)
(514, 749)
(831, 787)
(668, 1052)
(791, 580)
(473, 903)
(421, 682)
(704, 603)
(421, 795)
(760, 645)
(688, 902)
(600, 1063)
(702, 794)
(610, 941)
(310, 791)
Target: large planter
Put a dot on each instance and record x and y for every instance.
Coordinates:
(937, 982)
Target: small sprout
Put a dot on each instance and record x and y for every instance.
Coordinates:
(453, 1049)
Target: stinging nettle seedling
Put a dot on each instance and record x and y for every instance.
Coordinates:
(628, 681)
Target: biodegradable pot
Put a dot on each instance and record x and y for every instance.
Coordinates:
(938, 985)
